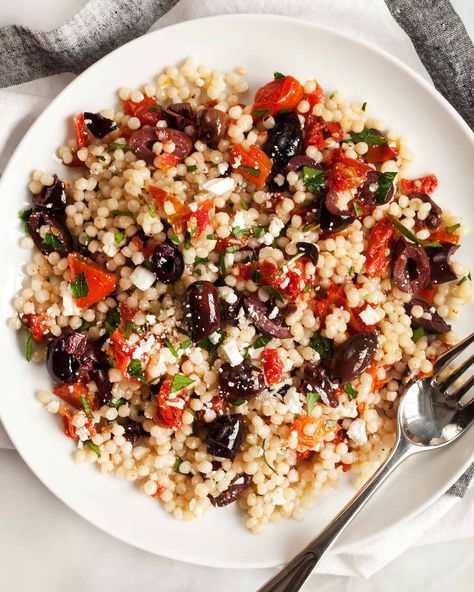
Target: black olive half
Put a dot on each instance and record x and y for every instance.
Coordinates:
(240, 382)
(353, 356)
(98, 125)
(284, 140)
(57, 238)
(167, 263)
(52, 198)
(411, 267)
(430, 320)
(211, 126)
(202, 309)
(225, 436)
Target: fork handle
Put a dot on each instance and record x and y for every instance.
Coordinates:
(295, 573)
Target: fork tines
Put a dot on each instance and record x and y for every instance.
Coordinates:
(445, 383)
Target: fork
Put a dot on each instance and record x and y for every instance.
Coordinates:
(432, 413)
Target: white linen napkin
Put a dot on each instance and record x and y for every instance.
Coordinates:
(450, 517)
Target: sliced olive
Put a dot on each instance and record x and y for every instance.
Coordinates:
(430, 319)
(225, 436)
(183, 144)
(297, 162)
(411, 267)
(202, 309)
(56, 238)
(230, 311)
(331, 217)
(65, 355)
(353, 356)
(52, 198)
(285, 140)
(317, 380)
(236, 488)
(98, 125)
(260, 315)
(368, 192)
(310, 250)
(133, 431)
(141, 143)
(211, 126)
(167, 263)
(433, 219)
(240, 382)
(179, 115)
(440, 268)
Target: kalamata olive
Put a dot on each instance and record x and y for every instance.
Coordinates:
(433, 219)
(100, 376)
(236, 488)
(297, 162)
(52, 198)
(284, 140)
(230, 310)
(353, 356)
(411, 267)
(202, 309)
(133, 431)
(211, 126)
(440, 268)
(332, 218)
(183, 144)
(240, 382)
(179, 115)
(141, 143)
(316, 380)
(98, 125)
(260, 315)
(225, 436)
(430, 320)
(167, 263)
(64, 355)
(57, 237)
(368, 192)
(309, 250)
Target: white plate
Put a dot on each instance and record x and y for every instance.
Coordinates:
(442, 143)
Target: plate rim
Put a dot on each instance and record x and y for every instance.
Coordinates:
(417, 77)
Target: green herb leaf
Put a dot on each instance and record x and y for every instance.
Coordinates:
(313, 178)
(29, 346)
(351, 271)
(307, 288)
(257, 231)
(251, 171)
(322, 345)
(331, 423)
(260, 112)
(284, 111)
(116, 403)
(239, 402)
(100, 157)
(170, 347)
(198, 260)
(24, 215)
(265, 459)
(222, 266)
(51, 241)
(112, 320)
(211, 347)
(87, 409)
(92, 446)
(117, 145)
(403, 229)
(273, 292)
(122, 213)
(385, 183)
(364, 106)
(118, 237)
(350, 390)
(79, 286)
(212, 236)
(452, 228)
(368, 137)
(180, 382)
(154, 108)
(239, 232)
(128, 329)
(244, 203)
(311, 400)
(86, 239)
(232, 249)
(135, 370)
(277, 75)
(357, 208)
(174, 238)
(187, 241)
(177, 463)
(261, 341)
(432, 244)
(186, 343)
(290, 263)
(85, 325)
(462, 280)
(418, 333)
(191, 168)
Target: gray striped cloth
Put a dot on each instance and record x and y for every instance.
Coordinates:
(433, 26)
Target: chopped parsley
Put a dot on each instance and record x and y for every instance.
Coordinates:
(170, 347)
(24, 215)
(261, 341)
(265, 459)
(462, 280)
(403, 229)
(277, 75)
(364, 106)
(121, 213)
(116, 403)
(452, 228)
(79, 286)
(257, 231)
(92, 446)
(385, 184)
(87, 409)
(357, 208)
(128, 329)
(177, 463)
(239, 232)
(313, 178)
(311, 400)
(331, 423)
(222, 266)
(86, 239)
(307, 288)
(251, 171)
(117, 145)
(368, 137)
(199, 260)
(212, 236)
(154, 108)
(322, 345)
(273, 292)
(100, 157)
(284, 111)
(239, 402)
(29, 346)
(418, 333)
(191, 168)
(232, 249)
(174, 238)
(135, 370)
(118, 237)
(85, 325)
(350, 391)
(244, 203)
(112, 320)
(211, 348)
(187, 241)
(52, 241)
(180, 382)
(260, 112)
(186, 343)
(290, 263)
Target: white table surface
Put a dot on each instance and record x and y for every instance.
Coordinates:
(39, 536)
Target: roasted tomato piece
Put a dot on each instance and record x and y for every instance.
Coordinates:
(282, 93)
(311, 430)
(71, 392)
(315, 97)
(444, 237)
(81, 131)
(378, 249)
(422, 185)
(175, 211)
(272, 366)
(334, 130)
(122, 351)
(346, 173)
(168, 161)
(38, 325)
(254, 165)
(200, 218)
(381, 153)
(170, 408)
(147, 111)
(93, 283)
(229, 242)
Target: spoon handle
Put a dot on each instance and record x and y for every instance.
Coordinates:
(295, 573)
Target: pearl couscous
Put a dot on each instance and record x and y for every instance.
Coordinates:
(230, 298)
